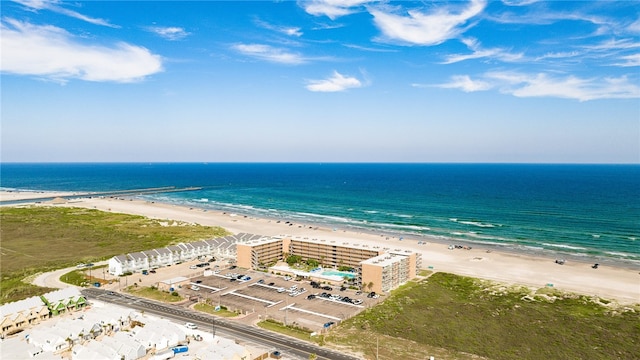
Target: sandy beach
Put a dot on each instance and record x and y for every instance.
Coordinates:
(608, 282)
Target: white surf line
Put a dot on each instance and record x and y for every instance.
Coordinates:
(290, 306)
(232, 292)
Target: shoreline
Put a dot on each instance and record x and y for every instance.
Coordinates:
(609, 281)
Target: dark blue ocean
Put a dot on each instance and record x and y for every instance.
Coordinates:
(584, 211)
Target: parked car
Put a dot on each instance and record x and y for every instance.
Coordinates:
(191, 326)
(328, 288)
(311, 297)
(261, 281)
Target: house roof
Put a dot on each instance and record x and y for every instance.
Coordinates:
(34, 302)
(70, 293)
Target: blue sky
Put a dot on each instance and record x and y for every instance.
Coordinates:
(326, 80)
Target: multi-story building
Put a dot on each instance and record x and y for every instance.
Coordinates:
(390, 270)
(377, 269)
(260, 253)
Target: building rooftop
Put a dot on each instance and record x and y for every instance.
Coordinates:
(385, 259)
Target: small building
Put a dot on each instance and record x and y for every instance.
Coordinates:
(17, 315)
(174, 283)
(68, 299)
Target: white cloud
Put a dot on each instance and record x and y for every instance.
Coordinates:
(270, 53)
(287, 30)
(629, 60)
(478, 53)
(430, 28)
(464, 83)
(291, 31)
(331, 8)
(519, 2)
(169, 33)
(53, 53)
(545, 85)
(634, 27)
(337, 82)
(570, 87)
(559, 55)
(614, 44)
(53, 5)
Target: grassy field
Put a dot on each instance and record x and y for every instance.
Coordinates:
(210, 309)
(39, 239)
(450, 316)
(278, 327)
(153, 293)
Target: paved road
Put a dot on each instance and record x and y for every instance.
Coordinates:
(284, 344)
(52, 279)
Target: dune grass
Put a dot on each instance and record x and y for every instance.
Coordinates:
(38, 239)
(454, 317)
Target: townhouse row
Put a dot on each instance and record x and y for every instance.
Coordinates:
(175, 254)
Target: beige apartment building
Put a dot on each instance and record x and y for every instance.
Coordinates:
(387, 271)
(378, 270)
(258, 253)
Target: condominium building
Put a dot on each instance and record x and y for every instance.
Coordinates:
(330, 253)
(390, 270)
(259, 253)
(377, 269)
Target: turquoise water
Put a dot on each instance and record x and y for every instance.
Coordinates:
(585, 211)
(338, 273)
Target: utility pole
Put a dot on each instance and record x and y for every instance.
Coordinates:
(213, 327)
(286, 308)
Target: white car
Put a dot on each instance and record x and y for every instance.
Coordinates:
(281, 290)
(191, 326)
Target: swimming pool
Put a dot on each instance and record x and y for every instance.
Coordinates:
(342, 274)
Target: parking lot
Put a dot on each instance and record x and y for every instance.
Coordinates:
(263, 295)
(271, 296)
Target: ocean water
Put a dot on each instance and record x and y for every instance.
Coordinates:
(583, 211)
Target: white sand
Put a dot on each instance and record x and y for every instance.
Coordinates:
(27, 195)
(608, 282)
